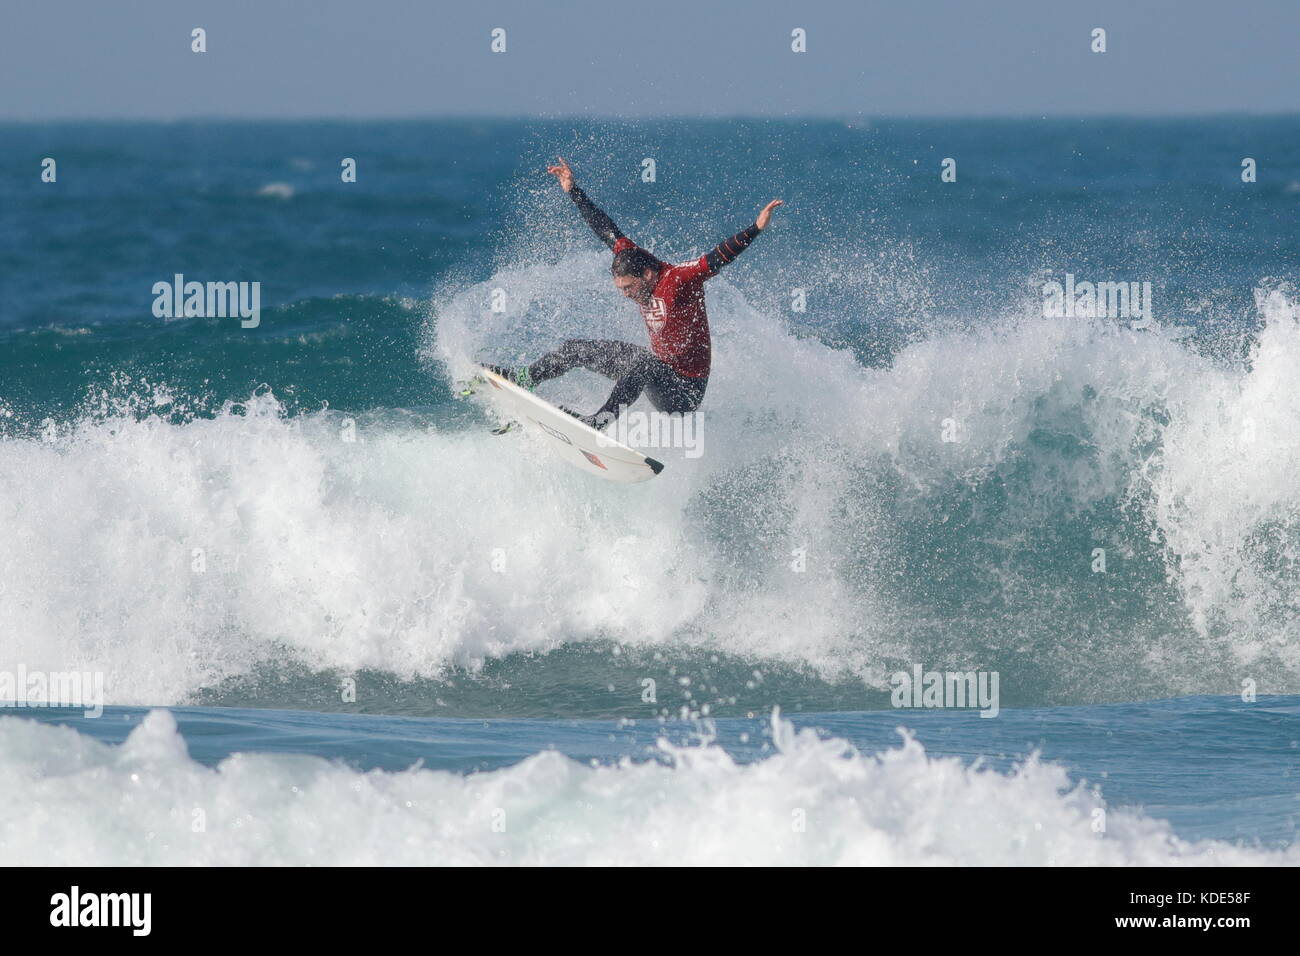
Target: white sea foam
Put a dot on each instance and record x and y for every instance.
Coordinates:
(70, 800)
(277, 191)
(383, 553)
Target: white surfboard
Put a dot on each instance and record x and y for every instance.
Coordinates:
(576, 442)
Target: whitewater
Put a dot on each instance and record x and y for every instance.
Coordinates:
(338, 621)
(814, 801)
(172, 552)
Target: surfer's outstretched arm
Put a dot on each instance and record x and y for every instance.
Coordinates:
(600, 223)
(728, 249)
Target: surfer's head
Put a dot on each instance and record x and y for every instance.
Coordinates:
(635, 274)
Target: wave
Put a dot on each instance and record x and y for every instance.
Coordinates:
(813, 802)
(1115, 518)
(344, 351)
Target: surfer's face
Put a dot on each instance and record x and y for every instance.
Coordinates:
(640, 289)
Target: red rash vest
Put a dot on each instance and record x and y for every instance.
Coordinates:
(675, 319)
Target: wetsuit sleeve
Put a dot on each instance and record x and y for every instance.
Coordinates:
(728, 249)
(600, 223)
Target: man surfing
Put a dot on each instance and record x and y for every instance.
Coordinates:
(674, 371)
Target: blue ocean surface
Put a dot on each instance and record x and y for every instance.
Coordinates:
(938, 786)
(297, 558)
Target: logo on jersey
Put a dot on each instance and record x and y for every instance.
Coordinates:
(655, 314)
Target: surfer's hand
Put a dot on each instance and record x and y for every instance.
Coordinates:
(563, 173)
(765, 216)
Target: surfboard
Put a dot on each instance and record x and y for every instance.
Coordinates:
(576, 442)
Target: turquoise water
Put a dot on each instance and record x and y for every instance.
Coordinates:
(232, 786)
(1164, 757)
(237, 522)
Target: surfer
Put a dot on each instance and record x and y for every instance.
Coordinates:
(674, 370)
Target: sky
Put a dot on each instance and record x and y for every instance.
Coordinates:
(372, 59)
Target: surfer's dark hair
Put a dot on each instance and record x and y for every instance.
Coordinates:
(634, 262)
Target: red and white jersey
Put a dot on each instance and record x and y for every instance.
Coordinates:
(675, 319)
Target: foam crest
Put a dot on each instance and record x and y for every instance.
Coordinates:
(828, 525)
(814, 802)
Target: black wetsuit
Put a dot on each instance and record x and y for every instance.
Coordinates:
(634, 368)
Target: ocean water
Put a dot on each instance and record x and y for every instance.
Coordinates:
(297, 539)
(1195, 781)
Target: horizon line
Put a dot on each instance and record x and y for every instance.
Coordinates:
(660, 117)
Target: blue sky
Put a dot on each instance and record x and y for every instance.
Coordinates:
(387, 58)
